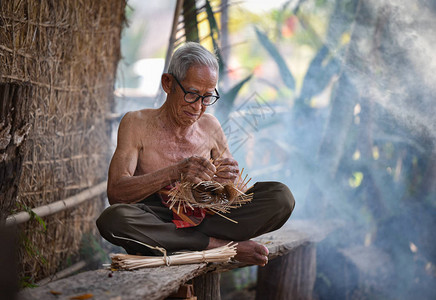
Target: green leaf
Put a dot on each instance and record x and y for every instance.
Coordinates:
(228, 98)
(34, 216)
(40, 221)
(27, 282)
(214, 34)
(230, 95)
(190, 21)
(212, 22)
(285, 73)
(318, 77)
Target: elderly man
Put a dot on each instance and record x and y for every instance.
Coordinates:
(158, 147)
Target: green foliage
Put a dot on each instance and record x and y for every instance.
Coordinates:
(319, 74)
(214, 34)
(30, 248)
(227, 100)
(285, 73)
(190, 21)
(34, 252)
(27, 282)
(320, 2)
(191, 34)
(33, 215)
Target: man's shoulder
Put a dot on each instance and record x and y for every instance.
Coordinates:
(138, 115)
(210, 121)
(134, 121)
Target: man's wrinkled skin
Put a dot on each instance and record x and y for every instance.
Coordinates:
(157, 147)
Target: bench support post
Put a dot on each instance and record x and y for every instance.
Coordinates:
(291, 276)
(207, 286)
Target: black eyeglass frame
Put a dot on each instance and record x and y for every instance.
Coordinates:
(216, 97)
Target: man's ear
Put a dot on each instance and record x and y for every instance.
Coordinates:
(167, 82)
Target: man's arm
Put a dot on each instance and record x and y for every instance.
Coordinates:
(123, 186)
(227, 167)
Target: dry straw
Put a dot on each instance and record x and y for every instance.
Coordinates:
(210, 195)
(67, 51)
(133, 262)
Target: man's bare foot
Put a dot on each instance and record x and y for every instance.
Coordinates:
(248, 252)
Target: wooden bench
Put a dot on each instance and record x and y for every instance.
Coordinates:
(290, 273)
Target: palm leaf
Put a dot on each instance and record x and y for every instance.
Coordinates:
(215, 35)
(190, 21)
(317, 76)
(228, 99)
(285, 73)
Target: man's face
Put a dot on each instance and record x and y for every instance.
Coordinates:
(199, 79)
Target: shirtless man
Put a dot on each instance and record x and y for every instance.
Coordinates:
(158, 147)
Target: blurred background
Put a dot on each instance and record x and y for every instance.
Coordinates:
(335, 98)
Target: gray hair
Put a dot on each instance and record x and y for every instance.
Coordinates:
(188, 55)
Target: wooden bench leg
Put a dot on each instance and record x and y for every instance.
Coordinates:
(185, 292)
(207, 286)
(291, 276)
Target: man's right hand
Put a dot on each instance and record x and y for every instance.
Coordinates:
(196, 169)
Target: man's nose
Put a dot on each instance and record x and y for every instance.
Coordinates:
(197, 104)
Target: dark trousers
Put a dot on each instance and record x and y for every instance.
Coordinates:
(150, 222)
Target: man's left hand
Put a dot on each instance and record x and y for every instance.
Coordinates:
(227, 170)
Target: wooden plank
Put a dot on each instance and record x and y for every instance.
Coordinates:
(287, 238)
(154, 283)
(157, 283)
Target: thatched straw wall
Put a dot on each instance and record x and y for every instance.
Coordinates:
(58, 58)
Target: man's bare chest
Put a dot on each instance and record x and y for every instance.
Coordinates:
(162, 151)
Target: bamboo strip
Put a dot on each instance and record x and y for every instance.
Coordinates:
(58, 206)
(18, 52)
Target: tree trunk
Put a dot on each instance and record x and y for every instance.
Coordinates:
(291, 276)
(14, 128)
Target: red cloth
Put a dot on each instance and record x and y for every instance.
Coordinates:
(186, 217)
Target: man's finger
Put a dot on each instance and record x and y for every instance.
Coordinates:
(206, 163)
(193, 179)
(225, 161)
(230, 175)
(227, 168)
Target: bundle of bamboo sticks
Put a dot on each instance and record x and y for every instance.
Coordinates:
(133, 262)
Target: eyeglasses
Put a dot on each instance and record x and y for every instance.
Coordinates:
(192, 97)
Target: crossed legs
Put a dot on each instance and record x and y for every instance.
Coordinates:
(150, 223)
